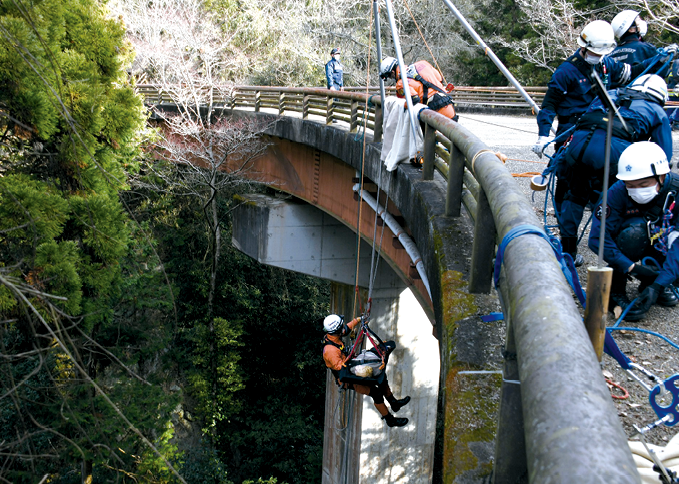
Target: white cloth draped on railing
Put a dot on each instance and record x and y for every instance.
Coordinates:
(397, 136)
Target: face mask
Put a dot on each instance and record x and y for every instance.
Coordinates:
(592, 59)
(643, 195)
(642, 27)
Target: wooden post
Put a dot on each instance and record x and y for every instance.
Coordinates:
(353, 124)
(377, 127)
(598, 290)
(329, 110)
(455, 177)
(281, 103)
(483, 247)
(305, 106)
(429, 152)
(258, 95)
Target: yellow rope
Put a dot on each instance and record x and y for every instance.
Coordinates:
(425, 43)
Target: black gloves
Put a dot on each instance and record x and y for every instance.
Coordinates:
(644, 271)
(649, 296)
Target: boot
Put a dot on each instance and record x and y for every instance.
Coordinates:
(667, 298)
(395, 421)
(569, 245)
(397, 405)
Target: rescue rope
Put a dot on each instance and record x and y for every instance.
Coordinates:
(498, 125)
(425, 43)
(360, 197)
(625, 393)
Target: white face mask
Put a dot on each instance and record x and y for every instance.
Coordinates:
(642, 27)
(643, 195)
(593, 59)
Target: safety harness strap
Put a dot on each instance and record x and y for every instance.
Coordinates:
(599, 120)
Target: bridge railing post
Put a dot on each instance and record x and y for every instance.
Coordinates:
(483, 248)
(305, 106)
(377, 129)
(353, 124)
(510, 442)
(455, 180)
(429, 152)
(329, 110)
(258, 100)
(281, 104)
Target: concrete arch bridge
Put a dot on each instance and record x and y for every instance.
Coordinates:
(543, 414)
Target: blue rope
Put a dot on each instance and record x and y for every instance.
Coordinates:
(565, 260)
(641, 330)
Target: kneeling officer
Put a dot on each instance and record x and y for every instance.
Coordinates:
(334, 352)
(641, 213)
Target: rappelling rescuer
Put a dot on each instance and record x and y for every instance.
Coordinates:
(334, 354)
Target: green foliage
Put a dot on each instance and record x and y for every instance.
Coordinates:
(72, 128)
(57, 266)
(31, 211)
(217, 375)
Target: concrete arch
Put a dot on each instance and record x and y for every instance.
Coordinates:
(319, 164)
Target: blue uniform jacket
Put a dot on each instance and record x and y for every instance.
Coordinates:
(633, 50)
(334, 74)
(569, 91)
(620, 208)
(647, 118)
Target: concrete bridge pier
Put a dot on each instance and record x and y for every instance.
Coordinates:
(358, 446)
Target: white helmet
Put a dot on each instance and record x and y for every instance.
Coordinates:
(332, 323)
(622, 22)
(597, 37)
(653, 85)
(642, 159)
(387, 66)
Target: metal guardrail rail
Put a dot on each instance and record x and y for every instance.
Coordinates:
(556, 420)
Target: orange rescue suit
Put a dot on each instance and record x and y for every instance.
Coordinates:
(429, 74)
(334, 358)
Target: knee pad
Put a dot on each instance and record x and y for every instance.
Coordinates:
(632, 240)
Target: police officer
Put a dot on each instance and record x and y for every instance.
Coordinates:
(641, 211)
(334, 353)
(334, 72)
(641, 106)
(630, 30)
(569, 91)
(425, 85)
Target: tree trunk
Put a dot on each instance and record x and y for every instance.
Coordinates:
(86, 471)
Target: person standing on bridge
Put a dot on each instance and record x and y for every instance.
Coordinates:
(334, 354)
(640, 219)
(630, 29)
(425, 85)
(334, 71)
(569, 91)
(641, 106)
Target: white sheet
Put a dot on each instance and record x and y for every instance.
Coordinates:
(397, 136)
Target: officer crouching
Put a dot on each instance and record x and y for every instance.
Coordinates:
(640, 227)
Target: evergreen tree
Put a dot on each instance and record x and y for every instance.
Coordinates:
(80, 327)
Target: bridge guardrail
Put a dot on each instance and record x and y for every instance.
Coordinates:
(553, 366)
